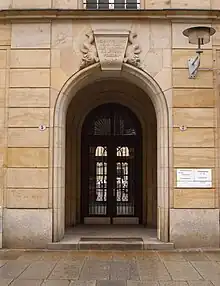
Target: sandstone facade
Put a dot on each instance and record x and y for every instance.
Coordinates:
(40, 58)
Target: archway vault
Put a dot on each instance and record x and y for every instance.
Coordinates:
(151, 91)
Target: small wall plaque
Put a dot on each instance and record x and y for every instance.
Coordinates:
(194, 178)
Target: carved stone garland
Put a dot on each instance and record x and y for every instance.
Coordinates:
(132, 52)
(90, 54)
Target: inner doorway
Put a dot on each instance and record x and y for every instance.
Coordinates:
(111, 166)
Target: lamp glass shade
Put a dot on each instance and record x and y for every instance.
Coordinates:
(196, 33)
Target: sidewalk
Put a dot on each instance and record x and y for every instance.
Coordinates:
(72, 268)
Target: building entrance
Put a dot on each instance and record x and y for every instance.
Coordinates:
(111, 175)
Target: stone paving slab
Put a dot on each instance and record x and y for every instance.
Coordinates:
(109, 268)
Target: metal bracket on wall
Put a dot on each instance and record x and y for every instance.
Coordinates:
(193, 65)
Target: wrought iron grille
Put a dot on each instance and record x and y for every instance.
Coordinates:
(112, 4)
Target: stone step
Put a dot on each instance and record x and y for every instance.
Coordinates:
(114, 243)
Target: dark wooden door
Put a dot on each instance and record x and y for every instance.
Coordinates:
(111, 164)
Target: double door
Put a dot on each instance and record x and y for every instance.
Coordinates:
(111, 178)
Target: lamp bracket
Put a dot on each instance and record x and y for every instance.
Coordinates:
(194, 64)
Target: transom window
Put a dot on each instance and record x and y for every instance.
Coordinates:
(112, 4)
(108, 122)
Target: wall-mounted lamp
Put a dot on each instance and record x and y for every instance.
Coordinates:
(197, 36)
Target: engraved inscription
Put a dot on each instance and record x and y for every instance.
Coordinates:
(27, 198)
(111, 48)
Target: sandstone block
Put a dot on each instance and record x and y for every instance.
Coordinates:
(69, 61)
(65, 4)
(167, 58)
(215, 4)
(164, 79)
(194, 117)
(181, 79)
(157, 4)
(27, 198)
(194, 198)
(160, 35)
(30, 78)
(2, 98)
(3, 136)
(5, 34)
(33, 35)
(27, 228)
(188, 4)
(180, 58)
(28, 97)
(29, 59)
(194, 137)
(153, 62)
(27, 4)
(2, 117)
(5, 4)
(2, 78)
(143, 30)
(62, 34)
(3, 55)
(201, 226)
(28, 157)
(55, 58)
(193, 97)
(28, 137)
(58, 78)
(193, 157)
(27, 178)
(28, 117)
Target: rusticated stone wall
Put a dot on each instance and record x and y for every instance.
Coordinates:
(195, 106)
(36, 59)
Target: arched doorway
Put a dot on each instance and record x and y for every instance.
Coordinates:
(111, 167)
(70, 94)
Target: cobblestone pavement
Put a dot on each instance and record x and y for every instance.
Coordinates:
(72, 268)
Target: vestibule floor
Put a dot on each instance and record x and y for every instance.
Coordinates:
(110, 237)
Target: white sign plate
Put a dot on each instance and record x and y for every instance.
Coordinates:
(194, 178)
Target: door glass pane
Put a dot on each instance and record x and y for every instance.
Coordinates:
(98, 180)
(124, 181)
